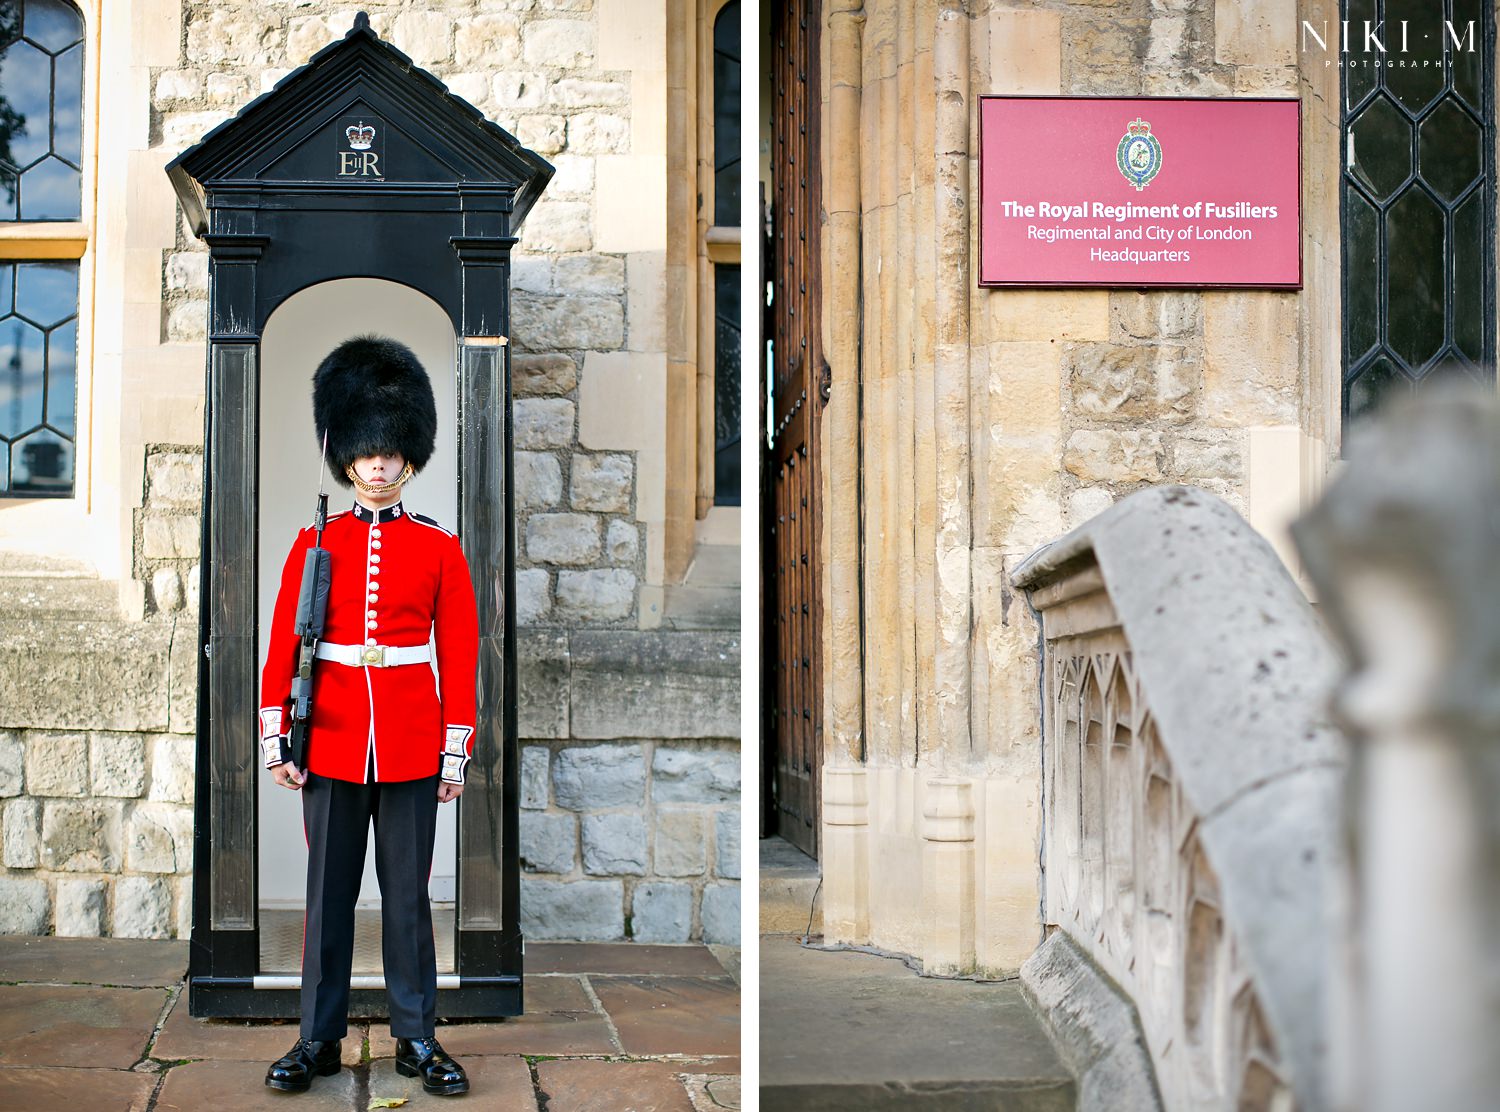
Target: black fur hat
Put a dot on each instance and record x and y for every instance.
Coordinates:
(372, 396)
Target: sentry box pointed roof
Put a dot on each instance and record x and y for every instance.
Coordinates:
(359, 115)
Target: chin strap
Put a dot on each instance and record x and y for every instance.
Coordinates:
(379, 490)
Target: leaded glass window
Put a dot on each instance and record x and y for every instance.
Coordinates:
(727, 275)
(41, 155)
(1418, 198)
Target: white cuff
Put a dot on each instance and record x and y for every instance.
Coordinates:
(456, 753)
(274, 744)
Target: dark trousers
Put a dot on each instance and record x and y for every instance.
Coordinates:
(337, 815)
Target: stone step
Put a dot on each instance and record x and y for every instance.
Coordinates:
(845, 1030)
(691, 607)
(789, 893)
(714, 565)
(58, 598)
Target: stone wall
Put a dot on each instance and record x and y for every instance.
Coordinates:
(967, 426)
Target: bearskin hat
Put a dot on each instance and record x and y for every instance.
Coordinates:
(373, 397)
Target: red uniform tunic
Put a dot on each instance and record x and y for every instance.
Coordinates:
(395, 577)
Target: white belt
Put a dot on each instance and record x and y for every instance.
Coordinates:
(375, 656)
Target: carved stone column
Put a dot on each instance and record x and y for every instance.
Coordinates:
(948, 876)
(1405, 554)
(846, 855)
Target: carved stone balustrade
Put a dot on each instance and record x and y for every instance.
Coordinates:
(1191, 794)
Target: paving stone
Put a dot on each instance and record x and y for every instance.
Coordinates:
(614, 845)
(72, 1090)
(493, 1083)
(99, 961)
(621, 958)
(242, 1086)
(183, 1036)
(724, 1091)
(47, 1025)
(662, 912)
(603, 1087)
(584, 778)
(560, 1020)
(672, 1015)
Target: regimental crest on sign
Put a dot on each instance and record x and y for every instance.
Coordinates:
(1139, 154)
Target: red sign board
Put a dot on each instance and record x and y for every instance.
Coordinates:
(1139, 191)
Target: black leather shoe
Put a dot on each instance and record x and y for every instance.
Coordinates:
(293, 1072)
(424, 1058)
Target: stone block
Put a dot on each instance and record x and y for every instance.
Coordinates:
(661, 912)
(172, 766)
(23, 847)
(24, 906)
(1155, 315)
(1260, 34)
(490, 40)
(543, 422)
(187, 322)
(543, 665)
(560, 43)
(543, 375)
(681, 843)
(535, 776)
(159, 839)
(237, 36)
(532, 273)
(562, 538)
(518, 90)
(306, 36)
(595, 596)
(166, 590)
(596, 776)
(561, 226)
(426, 37)
(575, 174)
(538, 480)
(727, 843)
(57, 764)
(601, 274)
(720, 914)
(105, 675)
(80, 907)
(175, 479)
(117, 765)
(601, 483)
(81, 837)
(182, 667)
(192, 581)
(1132, 384)
(694, 775)
(544, 134)
(1095, 44)
(533, 597)
(188, 270)
(1250, 358)
(143, 908)
(173, 537)
(598, 133)
(1025, 52)
(558, 323)
(655, 684)
(586, 910)
(1048, 314)
(179, 85)
(12, 765)
(549, 843)
(1214, 454)
(227, 88)
(1124, 456)
(581, 92)
(1084, 503)
(622, 542)
(614, 845)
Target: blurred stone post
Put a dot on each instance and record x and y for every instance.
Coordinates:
(1404, 551)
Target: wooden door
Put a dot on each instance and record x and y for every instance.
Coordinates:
(797, 392)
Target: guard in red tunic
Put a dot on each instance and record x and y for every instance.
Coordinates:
(389, 739)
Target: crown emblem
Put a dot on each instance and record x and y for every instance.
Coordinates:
(1139, 154)
(360, 136)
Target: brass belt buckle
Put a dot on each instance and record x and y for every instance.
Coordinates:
(373, 654)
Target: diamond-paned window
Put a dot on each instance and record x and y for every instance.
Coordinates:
(1418, 198)
(726, 78)
(41, 155)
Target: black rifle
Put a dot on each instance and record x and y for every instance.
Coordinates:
(312, 611)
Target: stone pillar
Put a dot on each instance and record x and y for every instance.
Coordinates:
(948, 876)
(846, 855)
(1404, 557)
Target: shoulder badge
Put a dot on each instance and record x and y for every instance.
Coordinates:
(1139, 154)
(425, 520)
